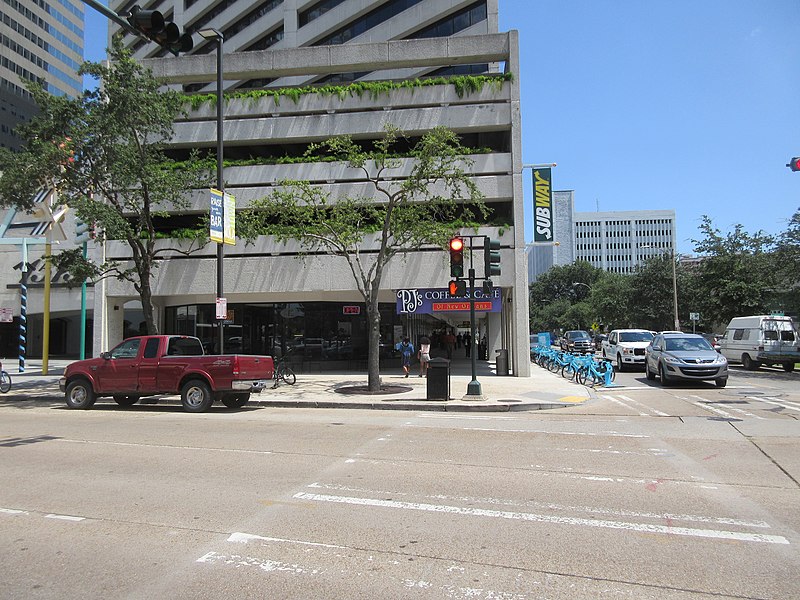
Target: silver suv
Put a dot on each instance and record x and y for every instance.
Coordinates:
(577, 342)
(685, 356)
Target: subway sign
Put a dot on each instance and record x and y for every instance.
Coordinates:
(434, 300)
(542, 205)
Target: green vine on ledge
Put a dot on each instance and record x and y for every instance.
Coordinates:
(463, 84)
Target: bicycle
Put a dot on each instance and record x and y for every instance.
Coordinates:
(5, 380)
(597, 372)
(283, 372)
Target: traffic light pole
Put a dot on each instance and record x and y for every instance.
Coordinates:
(474, 386)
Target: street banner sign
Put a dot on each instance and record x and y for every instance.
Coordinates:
(222, 218)
(542, 205)
(222, 309)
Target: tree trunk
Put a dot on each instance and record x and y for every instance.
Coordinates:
(373, 349)
(146, 296)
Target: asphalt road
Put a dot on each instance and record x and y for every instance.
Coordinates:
(641, 492)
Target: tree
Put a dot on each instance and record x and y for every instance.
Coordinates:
(738, 272)
(433, 200)
(562, 297)
(104, 152)
(788, 261)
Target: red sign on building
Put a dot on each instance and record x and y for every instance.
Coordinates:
(351, 310)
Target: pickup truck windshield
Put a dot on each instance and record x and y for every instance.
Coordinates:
(635, 336)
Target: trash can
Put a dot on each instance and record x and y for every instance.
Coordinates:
(438, 379)
(501, 362)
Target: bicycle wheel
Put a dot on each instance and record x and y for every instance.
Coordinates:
(5, 382)
(287, 375)
(580, 376)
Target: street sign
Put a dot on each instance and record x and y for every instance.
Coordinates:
(694, 316)
(222, 309)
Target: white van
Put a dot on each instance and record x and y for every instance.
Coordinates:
(761, 339)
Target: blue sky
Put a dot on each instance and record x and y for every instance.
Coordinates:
(689, 105)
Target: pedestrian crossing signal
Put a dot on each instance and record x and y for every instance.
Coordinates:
(458, 289)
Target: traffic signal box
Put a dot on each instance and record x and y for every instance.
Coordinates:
(794, 164)
(165, 33)
(491, 257)
(456, 257)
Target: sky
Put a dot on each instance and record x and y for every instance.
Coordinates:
(654, 104)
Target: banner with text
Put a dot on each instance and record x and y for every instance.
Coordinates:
(542, 205)
(223, 218)
(433, 300)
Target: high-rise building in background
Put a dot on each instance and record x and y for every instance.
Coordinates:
(615, 241)
(41, 42)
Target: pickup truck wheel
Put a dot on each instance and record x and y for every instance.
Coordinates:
(788, 367)
(235, 400)
(80, 394)
(126, 400)
(196, 396)
(620, 364)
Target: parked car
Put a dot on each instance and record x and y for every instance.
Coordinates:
(761, 339)
(687, 356)
(627, 347)
(598, 341)
(577, 342)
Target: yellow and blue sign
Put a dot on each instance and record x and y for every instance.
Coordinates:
(223, 218)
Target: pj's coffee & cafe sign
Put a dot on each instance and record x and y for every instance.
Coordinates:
(433, 300)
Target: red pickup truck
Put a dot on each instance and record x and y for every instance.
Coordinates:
(166, 364)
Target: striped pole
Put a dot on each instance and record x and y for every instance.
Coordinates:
(23, 316)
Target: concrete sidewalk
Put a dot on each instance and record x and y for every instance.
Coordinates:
(542, 390)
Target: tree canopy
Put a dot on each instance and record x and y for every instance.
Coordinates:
(104, 154)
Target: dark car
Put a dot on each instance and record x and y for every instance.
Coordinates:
(577, 341)
(598, 340)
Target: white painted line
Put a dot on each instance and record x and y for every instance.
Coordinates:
(65, 517)
(621, 403)
(745, 413)
(646, 452)
(669, 517)
(714, 409)
(769, 400)
(264, 565)
(541, 431)
(653, 410)
(11, 511)
(531, 517)
(467, 417)
(244, 538)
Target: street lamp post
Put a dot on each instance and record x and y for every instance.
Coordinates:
(212, 34)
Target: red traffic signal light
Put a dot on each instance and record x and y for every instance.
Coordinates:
(794, 164)
(458, 289)
(456, 257)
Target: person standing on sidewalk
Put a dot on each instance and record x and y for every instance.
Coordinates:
(424, 355)
(449, 344)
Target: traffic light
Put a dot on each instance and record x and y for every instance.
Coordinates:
(794, 164)
(458, 288)
(456, 257)
(83, 232)
(491, 257)
(166, 34)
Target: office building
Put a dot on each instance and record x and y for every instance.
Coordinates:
(276, 301)
(41, 42)
(615, 241)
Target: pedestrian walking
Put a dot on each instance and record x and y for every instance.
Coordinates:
(406, 349)
(424, 355)
(468, 344)
(449, 344)
(459, 340)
